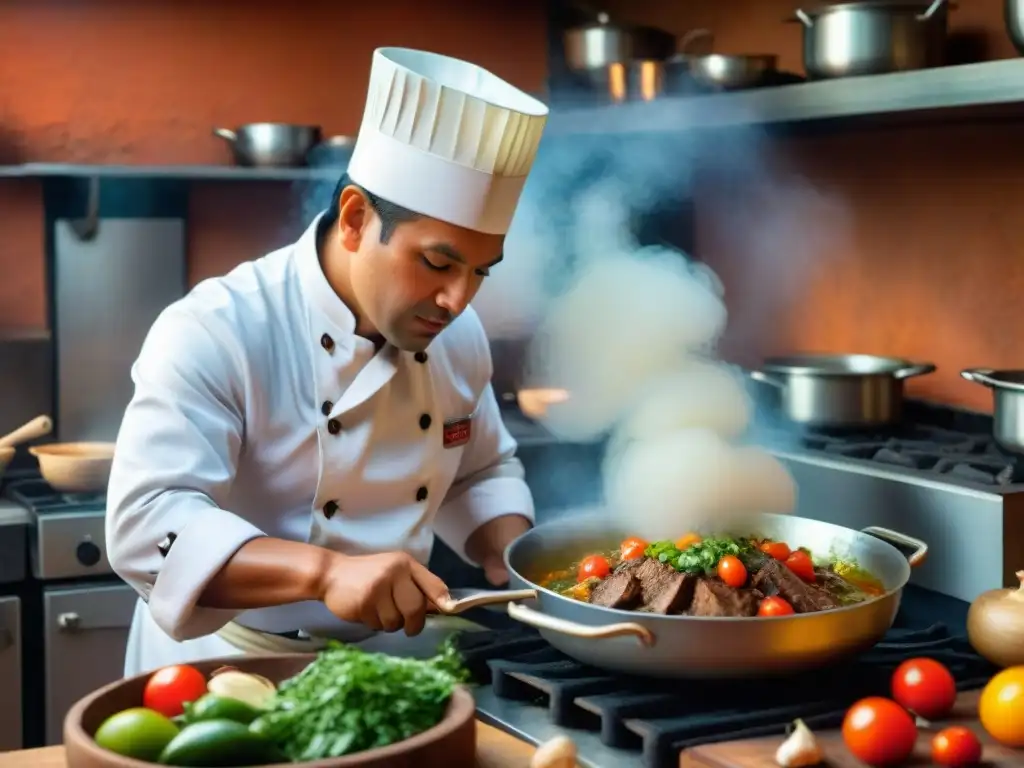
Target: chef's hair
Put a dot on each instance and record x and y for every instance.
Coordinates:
(390, 215)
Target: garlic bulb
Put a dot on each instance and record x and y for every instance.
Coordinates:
(559, 752)
(254, 690)
(800, 749)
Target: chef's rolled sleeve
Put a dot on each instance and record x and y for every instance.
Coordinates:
(174, 464)
(490, 482)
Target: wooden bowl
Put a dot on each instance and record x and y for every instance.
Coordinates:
(451, 741)
(75, 467)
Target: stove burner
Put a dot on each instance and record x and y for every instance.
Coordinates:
(661, 718)
(969, 457)
(36, 494)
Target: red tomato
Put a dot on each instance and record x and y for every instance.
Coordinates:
(593, 567)
(732, 571)
(777, 549)
(801, 564)
(632, 548)
(956, 746)
(879, 731)
(774, 606)
(925, 687)
(171, 687)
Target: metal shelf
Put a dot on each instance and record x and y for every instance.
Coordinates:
(986, 84)
(182, 172)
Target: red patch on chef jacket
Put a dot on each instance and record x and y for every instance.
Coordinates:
(457, 432)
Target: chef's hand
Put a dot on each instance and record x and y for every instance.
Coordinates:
(390, 591)
(487, 545)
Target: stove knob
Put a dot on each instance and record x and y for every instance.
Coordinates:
(88, 554)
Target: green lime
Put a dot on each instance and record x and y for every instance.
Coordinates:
(138, 732)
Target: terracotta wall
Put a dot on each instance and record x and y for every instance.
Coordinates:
(121, 81)
(923, 262)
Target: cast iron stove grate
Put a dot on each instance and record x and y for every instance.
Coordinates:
(655, 720)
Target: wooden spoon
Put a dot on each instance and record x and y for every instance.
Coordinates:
(38, 427)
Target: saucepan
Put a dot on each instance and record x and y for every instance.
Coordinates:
(1008, 404)
(840, 391)
(683, 646)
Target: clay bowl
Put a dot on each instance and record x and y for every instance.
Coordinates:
(451, 741)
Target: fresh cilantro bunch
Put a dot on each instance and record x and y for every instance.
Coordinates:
(349, 700)
(698, 558)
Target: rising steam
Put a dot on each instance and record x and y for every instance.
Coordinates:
(630, 331)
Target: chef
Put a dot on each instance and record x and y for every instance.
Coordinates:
(302, 427)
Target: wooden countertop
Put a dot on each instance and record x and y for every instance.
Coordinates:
(760, 753)
(495, 749)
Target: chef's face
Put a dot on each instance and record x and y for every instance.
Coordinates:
(412, 286)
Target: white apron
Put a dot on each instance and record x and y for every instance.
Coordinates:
(258, 411)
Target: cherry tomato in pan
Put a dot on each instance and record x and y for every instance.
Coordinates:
(777, 549)
(732, 571)
(632, 548)
(593, 567)
(801, 564)
(775, 606)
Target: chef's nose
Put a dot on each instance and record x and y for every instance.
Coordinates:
(455, 296)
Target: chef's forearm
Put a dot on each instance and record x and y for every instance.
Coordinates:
(266, 572)
(489, 540)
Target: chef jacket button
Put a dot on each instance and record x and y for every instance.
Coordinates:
(326, 407)
(420, 357)
(425, 421)
(330, 508)
(421, 494)
(327, 342)
(333, 426)
(164, 547)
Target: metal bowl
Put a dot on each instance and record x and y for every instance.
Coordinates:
(271, 144)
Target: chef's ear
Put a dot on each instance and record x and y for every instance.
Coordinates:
(353, 217)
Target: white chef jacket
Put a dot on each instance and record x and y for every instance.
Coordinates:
(258, 411)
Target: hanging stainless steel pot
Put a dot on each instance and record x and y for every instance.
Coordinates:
(873, 37)
(597, 45)
(1007, 404)
(666, 646)
(840, 390)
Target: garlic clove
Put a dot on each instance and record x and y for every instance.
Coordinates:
(559, 752)
(800, 749)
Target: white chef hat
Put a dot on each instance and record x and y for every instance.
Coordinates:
(446, 139)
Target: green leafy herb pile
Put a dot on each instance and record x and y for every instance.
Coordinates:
(698, 558)
(349, 700)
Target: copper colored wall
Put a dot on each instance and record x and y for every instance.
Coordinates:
(122, 81)
(928, 265)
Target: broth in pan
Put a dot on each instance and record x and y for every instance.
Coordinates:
(723, 577)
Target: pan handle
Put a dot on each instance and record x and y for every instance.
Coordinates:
(533, 618)
(918, 549)
(564, 627)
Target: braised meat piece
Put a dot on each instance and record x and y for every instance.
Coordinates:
(663, 588)
(713, 598)
(620, 590)
(775, 578)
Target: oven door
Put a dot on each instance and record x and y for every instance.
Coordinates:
(85, 634)
(10, 674)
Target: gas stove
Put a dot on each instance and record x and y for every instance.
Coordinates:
(529, 689)
(66, 531)
(939, 477)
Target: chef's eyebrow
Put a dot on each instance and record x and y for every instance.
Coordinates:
(452, 253)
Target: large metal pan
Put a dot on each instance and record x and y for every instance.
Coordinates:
(698, 647)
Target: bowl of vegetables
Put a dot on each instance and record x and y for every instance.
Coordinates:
(340, 707)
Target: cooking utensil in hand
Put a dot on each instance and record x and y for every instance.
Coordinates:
(680, 646)
(840, 390)
(270, 144)
(40, 426)
(1008, 404)
(75, 467)
(873, 37)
